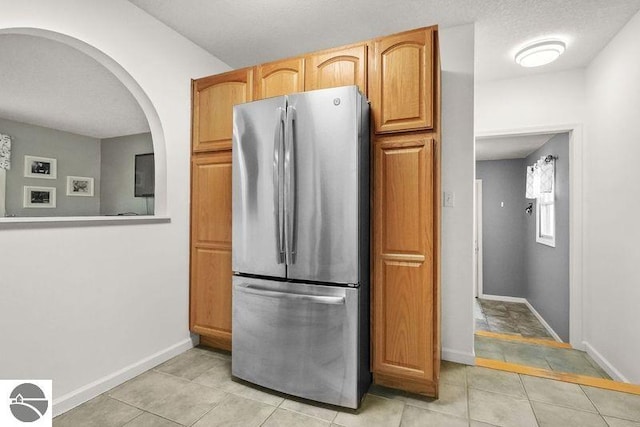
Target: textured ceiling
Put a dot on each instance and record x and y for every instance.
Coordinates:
(50, 84)
(247, 32)
(509, 147)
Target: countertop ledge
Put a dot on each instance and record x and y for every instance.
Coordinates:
(80, 221)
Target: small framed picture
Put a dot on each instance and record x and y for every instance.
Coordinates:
(40, 167)
(79, 186)
(39, 197)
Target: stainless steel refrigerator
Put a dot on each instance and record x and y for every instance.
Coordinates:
(301, 244)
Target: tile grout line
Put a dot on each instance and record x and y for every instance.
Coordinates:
(526, 393)
(134, 418)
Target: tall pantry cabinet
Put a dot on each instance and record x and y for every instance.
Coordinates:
(400, 75)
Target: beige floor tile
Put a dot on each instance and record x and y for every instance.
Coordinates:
(150, 420)
(496, 381)
(558, 416)
(389, 393)
(557, 393)
(617, 422)
(170, 397)
(453, 373)
(191, 363)
(316, 410)
(452, 401)
(101, 411)
(474, 423)
(284, 418)
(374, 412)
(236, 411)
(417, 417)
(500, 409)
(219, 376)
(615, 403)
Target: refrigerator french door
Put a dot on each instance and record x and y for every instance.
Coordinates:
(300, 244)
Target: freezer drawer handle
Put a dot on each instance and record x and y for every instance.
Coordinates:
(318, 299)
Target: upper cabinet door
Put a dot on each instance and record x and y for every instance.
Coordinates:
(401, 82)
(337, 67)
(213, 101)
(280, 78)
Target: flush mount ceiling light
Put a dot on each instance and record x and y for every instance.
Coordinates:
(540, 53)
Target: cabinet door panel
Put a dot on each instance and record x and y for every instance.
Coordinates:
(337, 67)
(280, 78)
(211, 247)
(211, 295)
(402, 82)
(403, 270)
(213, 101)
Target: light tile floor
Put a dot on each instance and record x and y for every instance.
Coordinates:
(507, 318)
(196, 389)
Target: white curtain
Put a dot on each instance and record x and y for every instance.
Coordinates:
(540, 179)
(5, 164)
(5, 151)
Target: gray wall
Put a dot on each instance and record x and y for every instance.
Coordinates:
(503, 228)
(547, 268)
(76, 155)
(117, 172)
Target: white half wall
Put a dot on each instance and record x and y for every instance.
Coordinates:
(529, 102)
(81, 304)
(612, 232)
(458, 171)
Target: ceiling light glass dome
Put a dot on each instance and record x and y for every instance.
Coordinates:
(540, 53)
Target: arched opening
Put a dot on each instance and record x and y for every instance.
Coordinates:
(67, 181)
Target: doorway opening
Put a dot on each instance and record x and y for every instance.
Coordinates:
(526, 285)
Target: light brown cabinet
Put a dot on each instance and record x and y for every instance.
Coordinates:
(404, 291)
(213, 101)
(280, 78)
(402, 82)
(337, 67)
(400, 75)
(210, 311)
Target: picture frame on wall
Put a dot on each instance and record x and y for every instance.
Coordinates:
(79, 186)
(39, 197)
(40, 167)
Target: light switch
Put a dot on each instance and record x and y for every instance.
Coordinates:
(502, 204)
(449, 199)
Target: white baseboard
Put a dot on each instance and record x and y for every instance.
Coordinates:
(544, 323)
(533, 310)
(71, 400)
(458, 357)
(503, 298)
(604, 363)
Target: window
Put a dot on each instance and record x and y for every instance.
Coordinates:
(546, 218)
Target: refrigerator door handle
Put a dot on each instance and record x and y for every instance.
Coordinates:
(290, 188)
(317, 299)
(278, 202)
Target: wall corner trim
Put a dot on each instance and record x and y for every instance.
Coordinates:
(458, 357)
(71, 400)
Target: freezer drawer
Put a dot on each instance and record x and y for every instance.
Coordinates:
(297, 339)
